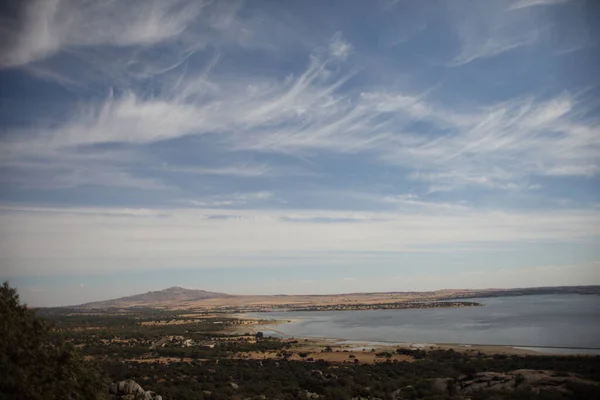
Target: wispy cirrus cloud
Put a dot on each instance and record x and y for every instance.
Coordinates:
(232, 199)
(490, 29)
(339, 47)
(532, 3)
(48, 27)
(231, 133)
(315, 109)
(232, 170)
(139, 236)
(497, 146)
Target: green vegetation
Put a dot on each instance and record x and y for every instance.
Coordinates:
(284, 379)
(37, 365)
(202, 358)
(388, 306)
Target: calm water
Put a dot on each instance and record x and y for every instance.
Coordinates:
(567, 321)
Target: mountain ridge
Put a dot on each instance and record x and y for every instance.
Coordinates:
(182, 298)
(156, 297)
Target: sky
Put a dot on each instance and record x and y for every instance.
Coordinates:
(297, 147)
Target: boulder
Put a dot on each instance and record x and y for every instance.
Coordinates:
(130, 389)
(150, 395)
(535, 381)
(317, 373)
(126, 387)
(441, 384)
(305, 394)
(403, 393)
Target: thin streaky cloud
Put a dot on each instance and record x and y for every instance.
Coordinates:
(491, 28)
(51, 26)
(233, 170)
(153, 135)
(533, 3)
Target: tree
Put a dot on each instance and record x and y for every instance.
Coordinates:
(35, 365)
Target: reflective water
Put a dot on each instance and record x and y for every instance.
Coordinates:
(566, 321)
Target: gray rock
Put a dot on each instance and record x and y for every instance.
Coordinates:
(150, 395)
(130, 389)
(317, 373)
(234, 385)
(526, 379)
(309, 395)
(441, 384)
(402, 393)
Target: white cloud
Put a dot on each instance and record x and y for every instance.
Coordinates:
(105, 177)
(532, 3)
(110, 238)
(129, 119)
(338, 47)
(232, 170)
(487, 29)
(233, 199)
(508, 143)
(499, 146)
(413, 200)
(49, 26)
(181, 87)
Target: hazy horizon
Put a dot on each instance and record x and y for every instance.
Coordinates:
(297, 147)
(275, 293)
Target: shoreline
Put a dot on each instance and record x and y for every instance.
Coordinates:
(487, 349)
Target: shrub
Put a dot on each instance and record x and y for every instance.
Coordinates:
(37, 366)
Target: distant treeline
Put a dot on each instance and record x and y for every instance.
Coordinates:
(583, 290)
(388, 306)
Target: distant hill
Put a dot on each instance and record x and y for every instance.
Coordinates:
(157, 298)
(181, 298)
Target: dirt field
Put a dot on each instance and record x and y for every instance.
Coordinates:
(363, 357)
(209, 304)
(160, 360)
(172, 322)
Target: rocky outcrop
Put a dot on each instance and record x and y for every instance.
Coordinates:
(131, 390)
(535, 381)
(305, 394)
(403, 393)
(323, 376)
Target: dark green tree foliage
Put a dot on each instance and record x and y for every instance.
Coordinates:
(35, 366)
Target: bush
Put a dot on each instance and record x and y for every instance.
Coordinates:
(36, 366)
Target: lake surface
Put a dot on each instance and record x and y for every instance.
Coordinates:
(564, 321)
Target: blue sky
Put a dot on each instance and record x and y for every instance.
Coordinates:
(297, 147)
